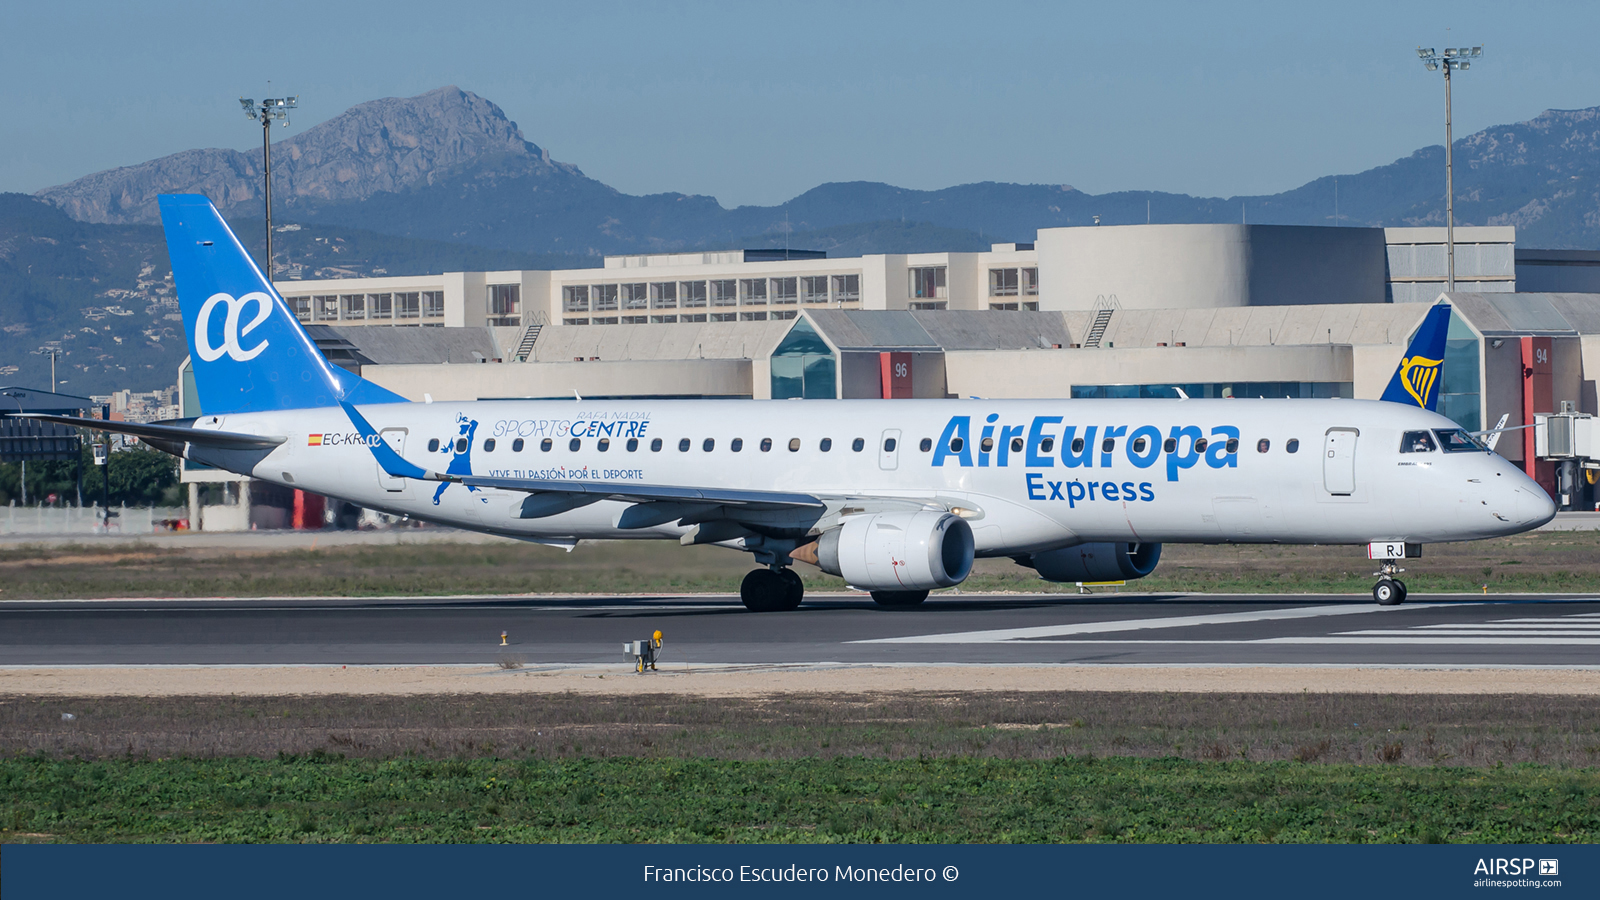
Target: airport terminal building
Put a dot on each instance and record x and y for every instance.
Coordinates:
(1117, 311)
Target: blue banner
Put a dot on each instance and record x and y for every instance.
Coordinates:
(59, 872)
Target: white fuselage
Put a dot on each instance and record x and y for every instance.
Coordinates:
(1346, 483)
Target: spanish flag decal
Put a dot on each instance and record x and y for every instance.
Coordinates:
(313, 440)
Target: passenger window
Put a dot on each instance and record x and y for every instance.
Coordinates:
(433, 446)
(1170, 445)
(766, 445)
(986, 445)
(888, 445)
(605, 444)
(1201, 445)
(1077, 446)
(574, 444)
(1048, 445)
(461, 445)
(633, 444)
(1417, 442)
(1456, 440)
(1139, 445)
(794, 445)
(1263, 445)
(488, 445)
(1016, 445)
(1233, 445)
(926, 445)
(517, 445)
(709, 445)
(1108, 445)
(858, 445)
(1293, 446)
(737, 445)
(826, 445)
(545, 445)
(683, 446)
(956, 444)
(655, 446)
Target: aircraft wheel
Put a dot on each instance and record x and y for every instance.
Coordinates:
(1402, 586)
(764, 590)
(1387, 593)
(898, 599)
(796, 588)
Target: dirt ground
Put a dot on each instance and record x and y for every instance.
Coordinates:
(763, 681)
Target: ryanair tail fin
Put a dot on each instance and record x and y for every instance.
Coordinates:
(248, 350)
(1416, 382)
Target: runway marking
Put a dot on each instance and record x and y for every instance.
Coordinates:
(1002, 635)
(1439, 640)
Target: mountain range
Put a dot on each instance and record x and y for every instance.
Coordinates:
(449, 165)
(445, 181)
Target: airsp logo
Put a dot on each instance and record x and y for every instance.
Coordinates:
(231, 332)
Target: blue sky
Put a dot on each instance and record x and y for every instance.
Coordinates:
(755, 103)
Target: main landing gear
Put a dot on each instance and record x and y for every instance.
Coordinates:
(1389, 591)
(775, 589)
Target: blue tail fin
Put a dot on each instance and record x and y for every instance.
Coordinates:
(1416, 382)
(248, 351)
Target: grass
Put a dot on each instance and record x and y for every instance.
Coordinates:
(1535, 562)
(1024, 767)
(324, 798)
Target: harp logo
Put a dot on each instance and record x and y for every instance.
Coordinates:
(1418, 375)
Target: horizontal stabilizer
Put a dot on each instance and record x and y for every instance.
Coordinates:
(171, 433)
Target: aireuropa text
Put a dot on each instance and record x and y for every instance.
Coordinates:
(793, 873)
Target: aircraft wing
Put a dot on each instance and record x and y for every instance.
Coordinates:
(646, 493)
(169, 434)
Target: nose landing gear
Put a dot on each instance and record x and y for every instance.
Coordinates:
(773, 589)
(1389, 591)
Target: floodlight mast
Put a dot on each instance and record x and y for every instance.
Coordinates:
(1452, 58)
(265, 113)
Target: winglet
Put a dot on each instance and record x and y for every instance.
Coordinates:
(1416, 381)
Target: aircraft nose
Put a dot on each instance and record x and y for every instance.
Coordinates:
(1534, 508)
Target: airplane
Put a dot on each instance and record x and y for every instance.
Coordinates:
(897, 497)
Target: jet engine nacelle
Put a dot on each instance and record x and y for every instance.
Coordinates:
(911, 551)
(1097, 562)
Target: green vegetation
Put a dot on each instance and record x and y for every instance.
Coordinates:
(139, 477)
(1534, 562)
(325, 798)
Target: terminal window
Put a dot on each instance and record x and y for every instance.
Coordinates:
(664, 295)
(1271, 390)
(432, 304)
(505, 302)
(847, 288)
(928, 282)
(931, 304)
(1002, 283)
(691, 294)
(785, 290)
(1030, 282)
(635, 296)
(724, 292)
(352, 306)
(815, 288)
(753, 291)
(408, 305)
(301, 307)
(380, 306)
(575, 298)
(604, 297)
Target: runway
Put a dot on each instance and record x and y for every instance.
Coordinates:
(1133, 630)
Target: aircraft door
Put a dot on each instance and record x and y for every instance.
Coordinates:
(1339, 461)
(889, 450)
(396, 439)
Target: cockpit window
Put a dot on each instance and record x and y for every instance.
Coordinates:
(1456, 440)
(1417, 442)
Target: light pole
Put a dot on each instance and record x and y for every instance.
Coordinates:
(1452, 58)
(265, 112)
